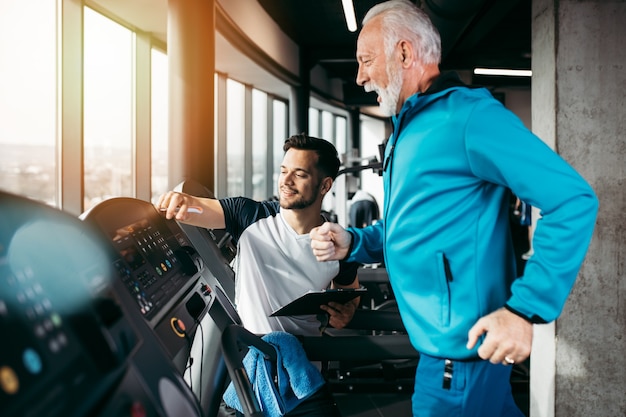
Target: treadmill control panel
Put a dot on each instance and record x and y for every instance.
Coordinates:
(147, 265)
(152, 256)
(159, 272)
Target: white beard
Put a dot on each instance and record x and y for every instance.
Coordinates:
(388, 96)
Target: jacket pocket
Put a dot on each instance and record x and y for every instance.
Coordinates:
(445, 279)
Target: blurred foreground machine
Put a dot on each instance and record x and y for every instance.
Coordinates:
(70, 345)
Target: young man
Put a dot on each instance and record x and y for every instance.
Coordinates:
(453, 158)
(274, 263)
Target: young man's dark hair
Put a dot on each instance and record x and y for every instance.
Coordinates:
(327, 158)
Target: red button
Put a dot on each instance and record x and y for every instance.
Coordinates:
(137, 410)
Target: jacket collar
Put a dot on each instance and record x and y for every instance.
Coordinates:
(445, 81)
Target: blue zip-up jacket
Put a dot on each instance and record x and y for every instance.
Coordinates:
(453, 158)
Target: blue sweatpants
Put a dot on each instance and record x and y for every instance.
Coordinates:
(476, 389)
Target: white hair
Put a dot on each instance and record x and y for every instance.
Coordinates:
(403, 20)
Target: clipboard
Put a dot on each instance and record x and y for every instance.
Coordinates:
(309, 302)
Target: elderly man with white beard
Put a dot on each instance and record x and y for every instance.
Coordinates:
(455, 155)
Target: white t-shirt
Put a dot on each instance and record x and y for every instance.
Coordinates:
(274, 266)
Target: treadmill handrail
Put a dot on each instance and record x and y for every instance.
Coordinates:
(235, 341)
(362, 347)
(376, 320)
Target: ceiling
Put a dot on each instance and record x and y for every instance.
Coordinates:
(475, 33)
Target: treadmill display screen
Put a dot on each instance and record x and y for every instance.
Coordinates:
(148, 265)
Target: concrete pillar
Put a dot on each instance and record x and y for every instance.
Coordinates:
(578, 364)
(191, 55)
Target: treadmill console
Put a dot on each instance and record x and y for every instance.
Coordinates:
(153, 259)
(157, 268)
(169, 278)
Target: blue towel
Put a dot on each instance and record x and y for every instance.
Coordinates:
(296, 377)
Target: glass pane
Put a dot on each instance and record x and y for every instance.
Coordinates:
(341, 134)
(372, 134)
(328, 132)
(28, 163)
(159, 123)
(328, 127)
(280, 134)
(259, 145)
(108, 98)
(314, 122)
(234, 137)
